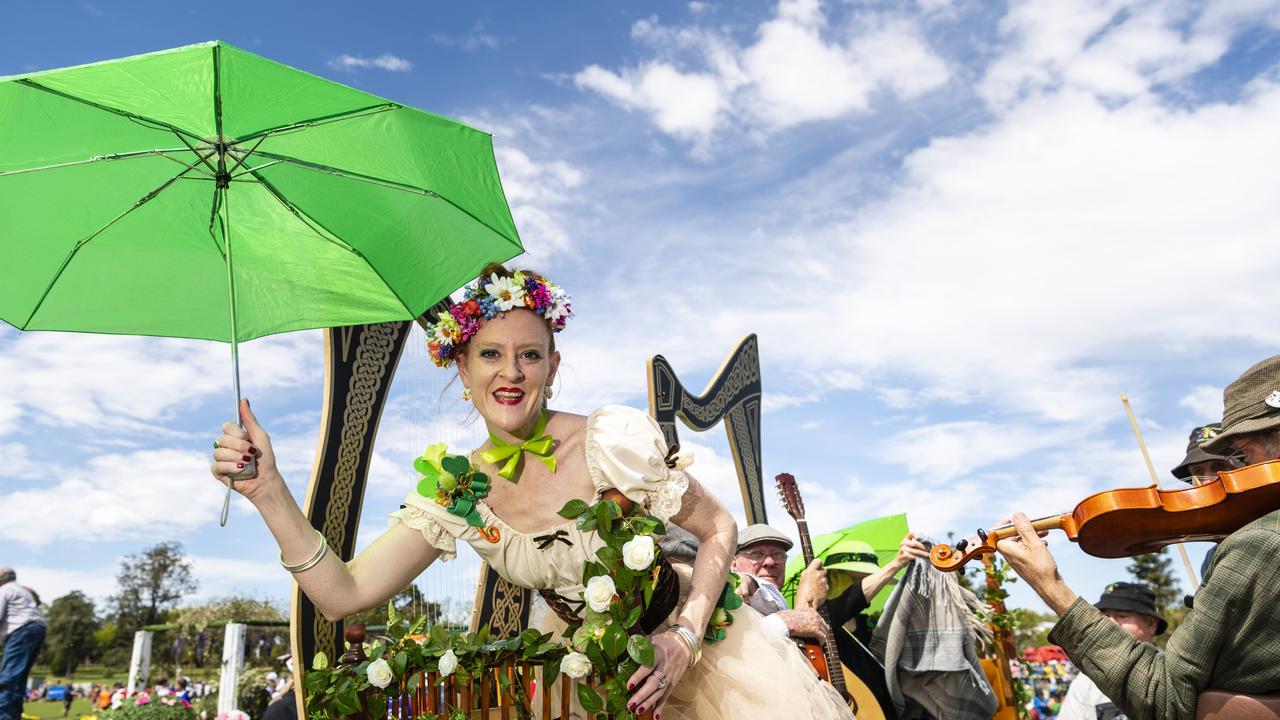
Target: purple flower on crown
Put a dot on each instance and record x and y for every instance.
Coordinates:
(467, 324)
(540, 296)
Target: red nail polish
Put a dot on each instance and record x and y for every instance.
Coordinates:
(253, 450)
(247, 458)
(240, 466)
(640, 709)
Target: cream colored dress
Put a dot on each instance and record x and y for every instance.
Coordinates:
(751, 673)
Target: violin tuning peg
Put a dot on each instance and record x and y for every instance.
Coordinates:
(982, 534)
(960, 546)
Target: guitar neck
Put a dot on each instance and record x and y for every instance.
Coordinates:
(828, 647)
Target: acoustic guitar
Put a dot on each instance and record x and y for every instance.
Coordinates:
(867, 704)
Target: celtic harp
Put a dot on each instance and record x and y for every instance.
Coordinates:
(732, 395)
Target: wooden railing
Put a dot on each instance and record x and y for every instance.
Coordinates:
(505, 692)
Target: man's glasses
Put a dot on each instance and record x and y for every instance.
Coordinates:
(757, 556)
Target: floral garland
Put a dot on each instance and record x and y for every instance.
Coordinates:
(484, 300)
(618, 588)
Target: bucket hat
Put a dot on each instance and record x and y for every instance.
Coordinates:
(1134, 598)
(1250, 404)
(1196, 453)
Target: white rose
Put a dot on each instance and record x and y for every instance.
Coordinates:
(379, 673)
(599, 593)
(575, 665)
(448, 663)
(637, 553)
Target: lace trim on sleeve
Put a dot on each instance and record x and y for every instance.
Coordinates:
(431, 529)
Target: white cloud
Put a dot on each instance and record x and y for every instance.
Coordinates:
(475, 39)
(130, 384)
(52, 583)
(792, 74)
(16, 462)
(1205, 402)
(223, 576)
(141, 494)
(385, 61)
(1111, 48)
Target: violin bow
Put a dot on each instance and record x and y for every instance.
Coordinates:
(1142, 445)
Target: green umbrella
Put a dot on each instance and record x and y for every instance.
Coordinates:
(127, 187)
(842, 550)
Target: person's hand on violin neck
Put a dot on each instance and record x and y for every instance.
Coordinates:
(1030, 558)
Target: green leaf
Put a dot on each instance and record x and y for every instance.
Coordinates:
(589, 699)
(640, 649)
(604, 518)
(632, 618)
(456, 464)
(614, 641)
(586, 522)
(551, 670)
(320, 661)
(573, 509)
(399, 663)
(611, 558)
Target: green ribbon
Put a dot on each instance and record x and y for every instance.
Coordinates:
(539, 445)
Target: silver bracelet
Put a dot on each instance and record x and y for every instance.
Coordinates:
(310, 562)
(691, 639)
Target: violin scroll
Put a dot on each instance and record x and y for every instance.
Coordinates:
(950, 559)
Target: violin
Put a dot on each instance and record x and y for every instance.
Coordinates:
(1133, 521)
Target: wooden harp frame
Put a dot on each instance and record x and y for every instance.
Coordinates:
(732, 395)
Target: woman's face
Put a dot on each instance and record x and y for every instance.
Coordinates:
(507, 364)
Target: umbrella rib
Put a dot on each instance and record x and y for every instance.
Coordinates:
(76, 248)
(321, 120)
(141, 119)
(96, 158)
(330, 170)
(328, 235)
(192, 148)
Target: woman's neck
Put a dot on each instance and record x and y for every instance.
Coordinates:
(525, 431)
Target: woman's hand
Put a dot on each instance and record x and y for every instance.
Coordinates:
(236, 447)
(651, 686)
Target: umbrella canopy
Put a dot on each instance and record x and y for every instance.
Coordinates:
(207, 192)
(842, 548)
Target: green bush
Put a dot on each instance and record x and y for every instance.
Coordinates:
(153, 710)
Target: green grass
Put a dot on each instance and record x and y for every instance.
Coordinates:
(52, 709)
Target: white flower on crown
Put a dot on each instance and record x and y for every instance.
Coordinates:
(559, 308)
(599, 593)
(507, 293)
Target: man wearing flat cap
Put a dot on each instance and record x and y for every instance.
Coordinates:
(1132, 607)
(1230, 641)
(761, 561)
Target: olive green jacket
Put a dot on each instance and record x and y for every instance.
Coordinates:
(1230, 641)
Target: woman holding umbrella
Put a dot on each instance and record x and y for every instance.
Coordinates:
(501, 338)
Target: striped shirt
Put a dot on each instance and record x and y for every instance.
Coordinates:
(1230, 641)
(17, 608)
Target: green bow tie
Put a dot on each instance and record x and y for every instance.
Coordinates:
(538, 444)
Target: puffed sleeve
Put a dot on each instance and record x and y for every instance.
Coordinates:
(625, 450)
(436, 524)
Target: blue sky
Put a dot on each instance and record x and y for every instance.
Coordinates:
(961, 230)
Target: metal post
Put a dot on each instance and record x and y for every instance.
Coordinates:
(140, 663)
(232, 665)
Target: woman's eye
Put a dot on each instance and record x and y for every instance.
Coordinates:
(489, 354)
(532, 355)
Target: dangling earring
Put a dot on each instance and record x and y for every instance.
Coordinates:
(546, 392)
(466, 394)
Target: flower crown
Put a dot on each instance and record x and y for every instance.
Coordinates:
(484, 299)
